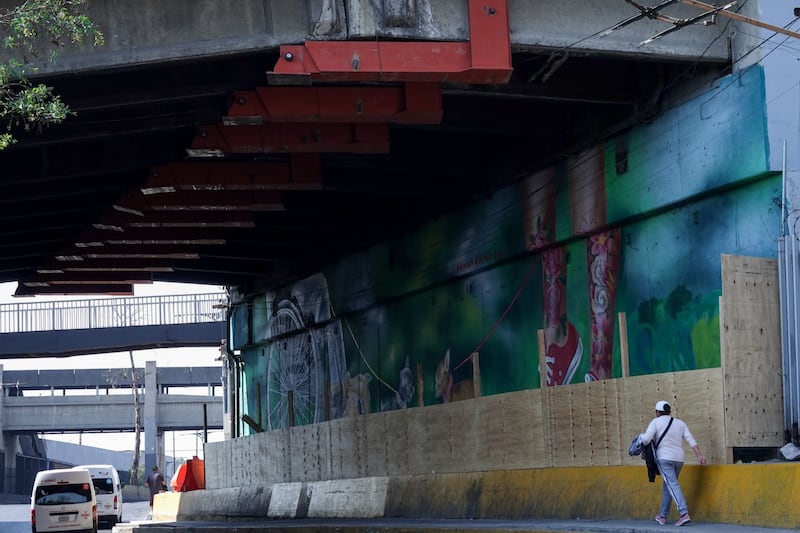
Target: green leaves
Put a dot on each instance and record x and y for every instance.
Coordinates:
(37, 26)
(49, 23)
(32, 105)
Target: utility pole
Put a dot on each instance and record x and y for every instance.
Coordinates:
(137, 423)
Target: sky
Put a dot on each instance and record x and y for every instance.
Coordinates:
(185, 442)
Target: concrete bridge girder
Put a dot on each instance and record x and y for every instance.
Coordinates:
(152, 31)
(106, 413)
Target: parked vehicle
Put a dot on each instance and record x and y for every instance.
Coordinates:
(63, 500)
(108, 491)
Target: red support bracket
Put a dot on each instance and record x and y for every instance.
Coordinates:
(298, 172)
(484, 59)
(413, 103)
(359, 138)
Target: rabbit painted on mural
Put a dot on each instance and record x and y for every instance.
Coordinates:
(449, 390)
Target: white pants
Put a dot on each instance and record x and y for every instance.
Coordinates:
(671, 489)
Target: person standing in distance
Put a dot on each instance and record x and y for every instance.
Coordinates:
(155, 482)
(669, 456)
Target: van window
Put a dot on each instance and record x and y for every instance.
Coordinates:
(61, 494)
(103, 485)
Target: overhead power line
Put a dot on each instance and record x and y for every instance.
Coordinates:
(709, 12)
(742, 18)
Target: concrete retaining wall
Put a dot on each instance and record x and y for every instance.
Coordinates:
(747, 494)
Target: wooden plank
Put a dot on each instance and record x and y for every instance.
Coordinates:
(547, 424)
(582, 423)
(604, 422)
(476, 375)
(698, 402)
(345, 448)
(420, 386)
(377, 431)
(638, 411)
(277, 454)
(623, 344)
(421, 440)
(512, 436)
(542, 354)
(750, 340)
(463, 428)
(397, 440)
(434, 438)
(563, 421)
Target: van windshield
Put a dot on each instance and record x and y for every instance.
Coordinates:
(61, 494)
(103, 485)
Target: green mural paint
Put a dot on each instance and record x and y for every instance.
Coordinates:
(635, 225)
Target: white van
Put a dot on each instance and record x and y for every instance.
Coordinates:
(108, 491)
(63, 500)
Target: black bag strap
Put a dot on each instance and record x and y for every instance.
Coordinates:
(664, 434)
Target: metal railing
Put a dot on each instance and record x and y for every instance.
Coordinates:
(112, 312)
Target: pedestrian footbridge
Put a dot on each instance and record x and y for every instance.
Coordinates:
(105, 325)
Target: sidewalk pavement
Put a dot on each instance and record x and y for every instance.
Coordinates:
(416, 525)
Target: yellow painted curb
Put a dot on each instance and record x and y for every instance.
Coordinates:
(747, 494)
(759, 494)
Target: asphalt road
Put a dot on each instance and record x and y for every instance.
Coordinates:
(17, 518)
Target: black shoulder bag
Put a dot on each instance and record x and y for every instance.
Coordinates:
(649, 455)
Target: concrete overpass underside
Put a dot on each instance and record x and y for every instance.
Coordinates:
(250, 146)
(66, 343)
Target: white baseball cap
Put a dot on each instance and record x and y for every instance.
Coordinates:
(661, 405)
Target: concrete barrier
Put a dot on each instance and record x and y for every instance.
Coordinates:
(759, 494)
(220, 504)
(134, 493)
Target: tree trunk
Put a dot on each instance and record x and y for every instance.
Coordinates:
(137, 424)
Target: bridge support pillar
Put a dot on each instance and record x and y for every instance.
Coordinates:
(8, 449)
(153, 453)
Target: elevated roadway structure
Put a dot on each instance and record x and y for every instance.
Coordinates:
(250, 146)
(253, 147)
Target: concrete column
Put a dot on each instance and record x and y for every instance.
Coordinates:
(150, 421)
(8, 447)
(5, 482)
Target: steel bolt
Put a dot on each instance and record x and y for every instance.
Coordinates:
(288, 56)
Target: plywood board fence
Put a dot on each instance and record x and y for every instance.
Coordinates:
(587, 424)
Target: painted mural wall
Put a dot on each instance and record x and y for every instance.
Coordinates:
(634, 225)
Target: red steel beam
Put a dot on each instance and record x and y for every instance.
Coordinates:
(137, 236)
(299, 172)
(87, 278)
(413, 103)
(30, 289)
(114, 220)
(359, 138)
(484, 59)
(52, 266)
(204, 201)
